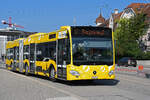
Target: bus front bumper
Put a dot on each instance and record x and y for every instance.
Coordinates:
(86, 72)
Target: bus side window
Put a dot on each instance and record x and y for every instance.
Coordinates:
(52, 50)
(7, 54)
(17, 53)
(39, 52)
(11, 53)
(42, 51)
(46, 50)
(26, 52)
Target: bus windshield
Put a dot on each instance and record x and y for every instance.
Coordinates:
(92, 51)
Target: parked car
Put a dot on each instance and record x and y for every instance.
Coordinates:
(127, 61)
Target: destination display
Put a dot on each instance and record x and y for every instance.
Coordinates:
(91, 31)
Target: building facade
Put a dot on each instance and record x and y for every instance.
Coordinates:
(10, 35)
(130, 11)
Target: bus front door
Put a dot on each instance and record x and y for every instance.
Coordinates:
(61, 58)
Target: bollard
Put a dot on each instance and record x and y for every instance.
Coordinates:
(140, 71)
(140, 68)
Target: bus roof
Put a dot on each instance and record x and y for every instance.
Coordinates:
(19, 39)
(37, 34)
(89, 27)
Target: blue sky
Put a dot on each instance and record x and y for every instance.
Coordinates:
(49, 15)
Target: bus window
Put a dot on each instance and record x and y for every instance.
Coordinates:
(95, 51)
(46, 50)
(39, 52)
(32, 52)
(26, 52)
(17, 53)
(11, 53)
(7, 54)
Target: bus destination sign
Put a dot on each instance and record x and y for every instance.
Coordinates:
(91, 31)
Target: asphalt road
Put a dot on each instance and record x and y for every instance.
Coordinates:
(16, 86)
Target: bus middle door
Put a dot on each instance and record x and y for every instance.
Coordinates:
(32, 57)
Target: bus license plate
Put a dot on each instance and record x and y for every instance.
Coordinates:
(94, 77)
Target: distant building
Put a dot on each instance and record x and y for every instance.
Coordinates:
(10, 35)
(2, 45)
(100, 20)
(131, 10)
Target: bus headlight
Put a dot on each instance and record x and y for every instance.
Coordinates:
(75, 73)
(111, 73)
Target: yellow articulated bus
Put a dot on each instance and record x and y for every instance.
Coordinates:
(71, 53)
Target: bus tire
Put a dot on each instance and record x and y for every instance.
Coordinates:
(11, 67)
(26, 70)
(6, 66)
(52, 74)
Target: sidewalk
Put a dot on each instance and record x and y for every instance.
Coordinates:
(134, 71)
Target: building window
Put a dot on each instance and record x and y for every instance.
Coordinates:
(141, 6)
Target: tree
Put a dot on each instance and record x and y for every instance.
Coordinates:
(128, 35)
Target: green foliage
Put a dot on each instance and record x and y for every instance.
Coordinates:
(144, 56)
(127, 36)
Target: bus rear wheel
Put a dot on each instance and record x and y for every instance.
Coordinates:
(52, 74)
(26, 70)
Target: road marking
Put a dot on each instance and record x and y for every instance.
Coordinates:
(48, 85)
(62, 98)
(126, 70)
